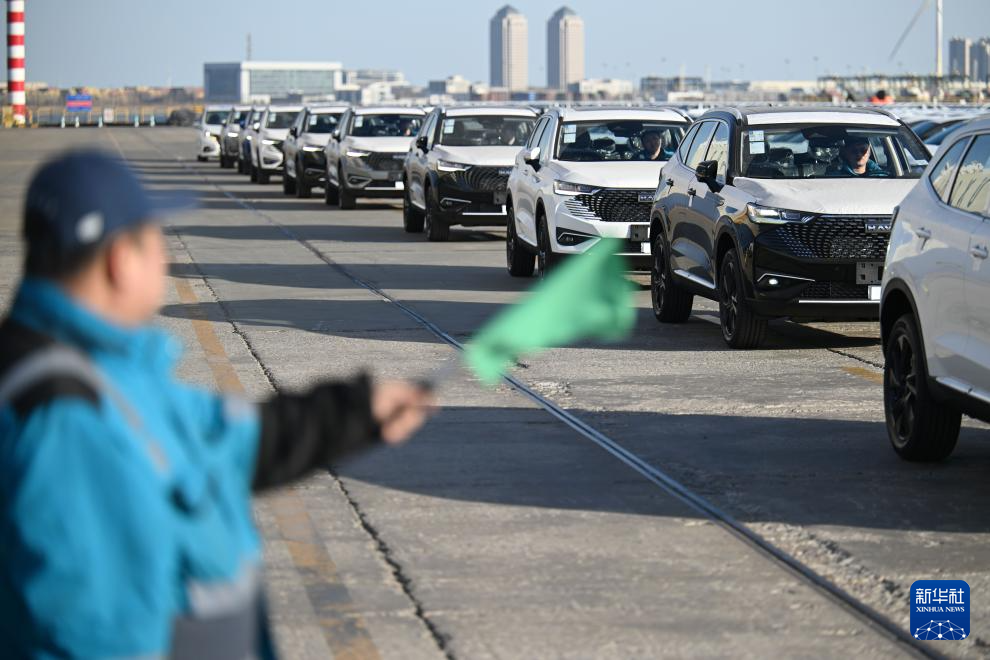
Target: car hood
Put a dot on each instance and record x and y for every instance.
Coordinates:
(316, 139)
(491, 156)
(388, 145)
(613, 174)
(275, 133)
(839, 196)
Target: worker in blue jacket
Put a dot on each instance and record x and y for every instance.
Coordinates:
(126, 527)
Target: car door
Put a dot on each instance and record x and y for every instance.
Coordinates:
(419, 160)
(334, 145)
(290, 148)
(971, 196)
(685, 255)
(696, 237)
(524, 190)
(938, 264)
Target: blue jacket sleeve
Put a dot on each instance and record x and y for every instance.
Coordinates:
(84, 573)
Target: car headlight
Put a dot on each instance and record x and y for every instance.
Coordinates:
(273, 143)
(231, 134)
(765, 215)
(312, 148)
(357, 153)
(448, 166)
(568, 188)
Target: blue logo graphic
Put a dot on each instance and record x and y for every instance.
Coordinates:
(940, 609)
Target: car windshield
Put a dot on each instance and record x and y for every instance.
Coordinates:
(238, 117)
(214, 117)
(390, 125)
(486, 131)
(831, 150)
(280, 119)
(626, 139)
(323, 123)
(256, 116)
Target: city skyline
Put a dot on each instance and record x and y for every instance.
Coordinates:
(508, 47)
(634, 40)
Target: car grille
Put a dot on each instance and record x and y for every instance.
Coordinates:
(829, 237)
(384, 162)
(835, 291)
(484, 178)
(611, 205)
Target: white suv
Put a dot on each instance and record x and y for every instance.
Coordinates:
(587, 173)
(366, 153)
(935, 311)
(210, 126)
(266, 147)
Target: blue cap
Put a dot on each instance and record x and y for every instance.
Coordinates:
(79, 200)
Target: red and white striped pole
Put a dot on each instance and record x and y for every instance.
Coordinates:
(15, 60)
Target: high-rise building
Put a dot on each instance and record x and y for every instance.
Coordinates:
(959, 56)
(979, 60)
(509, 61)
(565, 49)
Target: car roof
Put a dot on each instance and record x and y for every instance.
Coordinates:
(500, 111)
(217, 108)
(320, 109)
(770, 115)
(389, 110)
(976, 124)
(284, 108)
(239, 108)
(599, 113)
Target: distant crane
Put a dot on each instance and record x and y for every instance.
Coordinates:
(925, 4)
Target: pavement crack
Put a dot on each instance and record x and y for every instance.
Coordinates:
(855, 357)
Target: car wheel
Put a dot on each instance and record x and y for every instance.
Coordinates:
(740, 327)
(241, 166)
(202, 159)
(288, 183)
(345, 198)
(412, 217)
(672, 303)
(223, 162)
(437, 229)
(253, 171)
(330, 197)
(264, 176)
(303, 189)
(519, 261)
(919, 427)
(545, 257)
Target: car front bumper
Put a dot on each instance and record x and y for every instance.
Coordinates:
(574, 228)
(365, 181)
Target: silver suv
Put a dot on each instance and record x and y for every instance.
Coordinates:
(266, 147)
(230, 133)
(365, 154)
(935, 313)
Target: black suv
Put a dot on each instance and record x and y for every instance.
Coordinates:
(458, 168)
(779, 212)
(305, 163)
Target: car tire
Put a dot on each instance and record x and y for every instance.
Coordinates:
(224, 162)
(303, 189)
(437, 229)
(412, 217)
(330, 196)
(919, 427)
(741, 328)
(202, 159)
(672, 303)
(288, 184)
(264, 176)
(546, 260)
(253, 171)
(346, 200)
(241, 166)
(519, 261)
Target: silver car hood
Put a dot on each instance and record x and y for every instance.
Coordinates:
(869, 196)
(485, 156)
(613, 174)
(388, 145)
(316, 139)
(274, 133)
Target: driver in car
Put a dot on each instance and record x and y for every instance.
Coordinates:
(855, 159)
(508, 134)
(653, 148)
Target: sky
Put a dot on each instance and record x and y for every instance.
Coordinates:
(112, 43)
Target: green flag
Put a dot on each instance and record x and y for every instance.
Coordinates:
(586, 297)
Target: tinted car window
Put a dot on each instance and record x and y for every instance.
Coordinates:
(534, 139)
(700, 144)
(486, 131)
(323, 122)
(214, 117)
(618, 139)
(390, 125)
(971, 191)
(686, 142)
(941, 174)
(280, 119)
(718, 149)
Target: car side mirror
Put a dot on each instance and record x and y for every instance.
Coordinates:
(706, 172)
(532, 157)
(335, 134)
(256, 126)
(293, 131)
(421, 142)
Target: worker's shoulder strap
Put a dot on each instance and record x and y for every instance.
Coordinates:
(35, 369)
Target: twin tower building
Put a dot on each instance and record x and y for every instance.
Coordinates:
(509, 52)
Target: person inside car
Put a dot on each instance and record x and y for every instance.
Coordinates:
(854, 159)
(653, 147)
(508, 135)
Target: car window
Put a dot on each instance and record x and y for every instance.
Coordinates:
(686, 142)
(941, 174)
(700, 145)
(281, 119)
(971, 190)
(214, 117)
(718, 149)
(534, 139)
(618, 139)
(386, 125)
(321, 122)
(545, 141)
(486, 131)
(430, 129)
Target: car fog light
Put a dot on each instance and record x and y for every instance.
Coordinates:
(773, 281)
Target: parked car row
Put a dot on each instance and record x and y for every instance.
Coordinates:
(771, 212)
